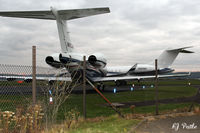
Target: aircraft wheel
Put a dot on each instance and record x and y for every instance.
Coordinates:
(123, 82)
(51, 82)
(118, 83)
(100, 86)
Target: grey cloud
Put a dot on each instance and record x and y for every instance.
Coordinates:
(135, 31)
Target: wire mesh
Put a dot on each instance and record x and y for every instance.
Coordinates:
(16, 89)
(138, 96)
(16, 92)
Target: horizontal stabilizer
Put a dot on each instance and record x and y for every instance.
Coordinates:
(186, 51)
(63, 14)
(182, 50)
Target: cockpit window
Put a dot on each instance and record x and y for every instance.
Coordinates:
(133, 68)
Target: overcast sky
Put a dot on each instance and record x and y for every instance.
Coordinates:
(136, 31)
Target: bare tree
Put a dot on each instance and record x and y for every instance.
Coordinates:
(57, 93)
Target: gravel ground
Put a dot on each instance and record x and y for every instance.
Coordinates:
(170, 124)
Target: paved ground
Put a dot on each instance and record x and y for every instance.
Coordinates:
(8, 89)
(108, 89)
(180, 124)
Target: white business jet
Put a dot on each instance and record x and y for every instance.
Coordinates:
(96, 70)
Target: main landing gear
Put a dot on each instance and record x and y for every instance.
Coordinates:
(100, 86)
(120, 82)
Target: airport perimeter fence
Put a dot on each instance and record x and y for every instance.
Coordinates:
(16, 91)
(16, 94)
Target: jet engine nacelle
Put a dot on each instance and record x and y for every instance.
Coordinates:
(97, 60)
(53, 60)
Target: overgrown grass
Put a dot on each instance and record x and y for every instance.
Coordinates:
(111, 124)
(23, 120)
(115, 124)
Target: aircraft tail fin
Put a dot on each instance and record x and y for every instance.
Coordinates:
(168, 56)
(60, 16)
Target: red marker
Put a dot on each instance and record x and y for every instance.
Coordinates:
(20, 82)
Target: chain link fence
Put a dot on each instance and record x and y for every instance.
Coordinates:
(16, 92)
(17, 113)
(16, 96)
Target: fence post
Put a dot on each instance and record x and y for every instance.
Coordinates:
(84, 87)
(34, 74)
(156, 85)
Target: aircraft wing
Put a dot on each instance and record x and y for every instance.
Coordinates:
(26, 78)
(104, 79)
(64, 14)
